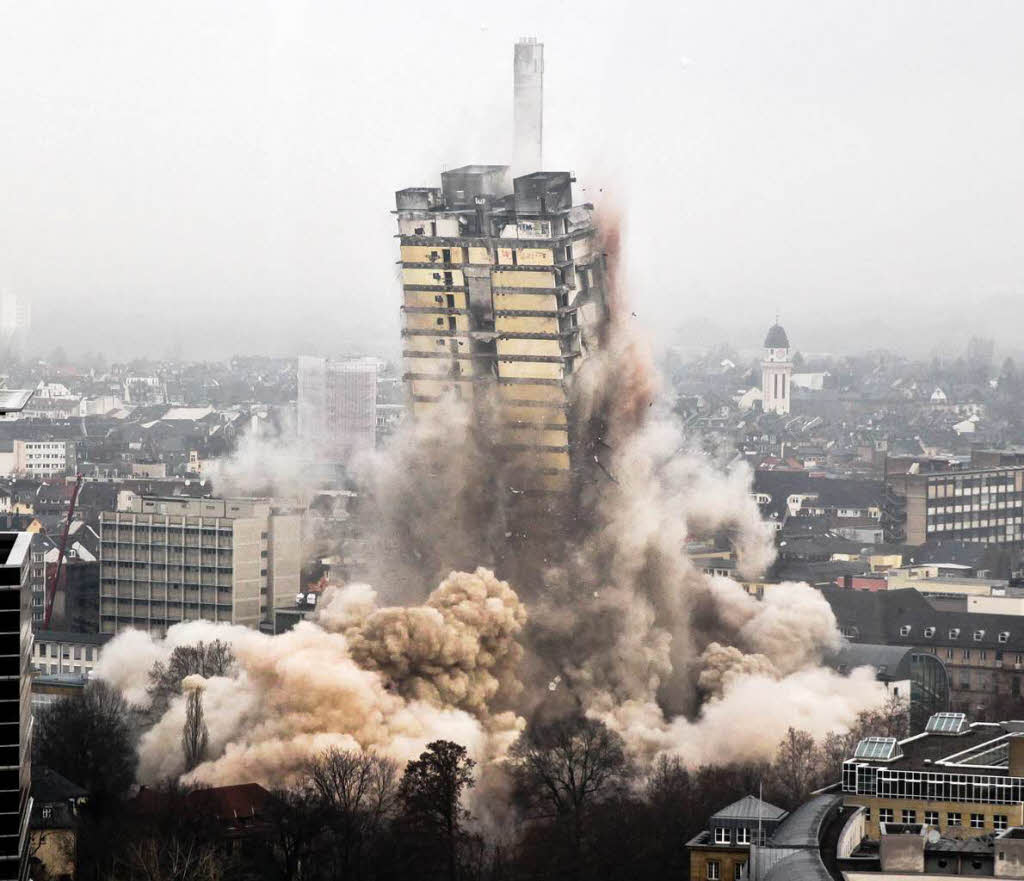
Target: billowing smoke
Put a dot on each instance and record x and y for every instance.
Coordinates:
(601, 610)
(384, 679)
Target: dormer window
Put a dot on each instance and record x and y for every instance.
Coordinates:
(979, 635)
(929, 632)
(905, 630)
(1004, 636)
(722, 835)
(954, 632)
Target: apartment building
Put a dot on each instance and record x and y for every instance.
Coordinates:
(169, 559)
(977, 505)
(38, 458)
(15, 705)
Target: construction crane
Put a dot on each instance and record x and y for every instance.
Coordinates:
(54, 583)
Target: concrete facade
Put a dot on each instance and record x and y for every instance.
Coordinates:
(174, 559)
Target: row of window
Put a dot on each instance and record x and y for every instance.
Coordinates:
(931, 818)
(972, 486)
(64, 651)
(864, 779)
(54, 669)
(724, 835)
(156, 564)
(984, 505)
(954, 633)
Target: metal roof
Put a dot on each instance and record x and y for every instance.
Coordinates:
(803, 827)
(749, 808)
(803, 865)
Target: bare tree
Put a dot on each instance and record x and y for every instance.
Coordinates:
(561, 769)
(87, 740)
(797, 767)
(194, 736)
(357, 794)
(203, 659)
(892, 719)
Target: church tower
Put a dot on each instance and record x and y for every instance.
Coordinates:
(776, 371)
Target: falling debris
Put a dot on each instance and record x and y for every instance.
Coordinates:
(675, 660)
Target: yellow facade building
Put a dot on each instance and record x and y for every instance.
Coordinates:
(965, 780)
(503, 291)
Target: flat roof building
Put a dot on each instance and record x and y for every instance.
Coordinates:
(171, 559)
(964, 779)
(983, 505)
(15, 704)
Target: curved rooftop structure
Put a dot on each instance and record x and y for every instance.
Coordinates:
(776, 338)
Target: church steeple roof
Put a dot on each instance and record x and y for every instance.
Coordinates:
(776, 338)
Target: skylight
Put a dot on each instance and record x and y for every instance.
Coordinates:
(882, 748)
(947, 723)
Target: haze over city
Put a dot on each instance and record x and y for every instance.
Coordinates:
(539, 443)
(225, 171)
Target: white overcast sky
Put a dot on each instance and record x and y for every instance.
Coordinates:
(216, 177)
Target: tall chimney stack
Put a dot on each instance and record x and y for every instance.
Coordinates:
(528, 105)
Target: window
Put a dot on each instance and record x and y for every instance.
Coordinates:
(905, 630)
(931, 818)
(47, 812)
(88, 652)
(42, 650)
(737, 871)
(953, 818)
(1004, 636)
(977, 821)
(885, 815)
(721, 835)
(967, 654)
(867, 814)
(1000, 822)
(743, 836)
(954, 632)
(979, 635)
(949, 654)
(983, 654)
(714, 870)
(78, 653)
(908, 816)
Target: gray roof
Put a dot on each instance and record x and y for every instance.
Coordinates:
(891, 662)
(879, 615)
(749, 808)
(803, 827)
(803, 865)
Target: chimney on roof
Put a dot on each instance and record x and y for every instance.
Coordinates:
(1016, 763)
(901, 847)
(528, 106)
